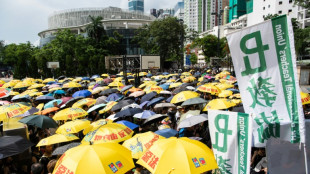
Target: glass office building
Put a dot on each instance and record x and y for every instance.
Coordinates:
(136, 5)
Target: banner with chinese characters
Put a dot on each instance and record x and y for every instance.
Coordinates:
(265, 64)
(231, 136)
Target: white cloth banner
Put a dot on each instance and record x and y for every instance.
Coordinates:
(265, 64)
(231, 137)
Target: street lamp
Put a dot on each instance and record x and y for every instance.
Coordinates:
(218, 15)
(182, 42)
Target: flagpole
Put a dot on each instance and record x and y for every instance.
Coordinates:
(306, 159)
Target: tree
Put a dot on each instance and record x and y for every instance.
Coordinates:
(163, 37)
(208, 45)
(270, 16)
(193, 58)
(303, 3)
(302, 42)
(95, 29)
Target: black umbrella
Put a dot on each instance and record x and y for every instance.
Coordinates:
(29, 112)
(108, 91)
(169, 99)
(12, 145)
(126, 88)
(61, 77)
(154, 118)
(44, 99)
(40, 121)
(148, 96)
(62, 149)
(128, 112)
(179, 89)
(238, 109)
(70, 102)
(155, 101)
(122, 104)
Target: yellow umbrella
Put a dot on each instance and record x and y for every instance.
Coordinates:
(11, 110)
(108, 107)
(139, 143)
(48, 80)
(38, 80)
(13, 93)
(105, 75)
(9, 84)
(235, 96)
(33, 94)
(22, 85)
(209, 89)
(217, 104)
(57, 138)
(71, 85)
(155, 88)
(112, 132)
(224, 86)
(184, 95)
(98, 79)
(96, 125)
(54, 89)
(305, 98)
(225, 93)
(174, 85)
(2, 82)
(186, 74)
(107, 158)
(116, 84)
(142, 73)
(170, 81)
(70, 114)
(85, 101)
(178, 155)
(77, 80)
(188, 79)
(35, 86)
(74, 126)
(99, 89)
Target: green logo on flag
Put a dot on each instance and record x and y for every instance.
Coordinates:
(224, 130)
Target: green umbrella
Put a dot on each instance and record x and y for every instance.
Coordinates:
(194, 101)
(40, 121)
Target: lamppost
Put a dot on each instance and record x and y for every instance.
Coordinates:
(218, 15)
(182, 42)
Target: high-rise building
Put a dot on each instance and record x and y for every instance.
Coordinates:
(136, 5)
(166, 12)
(179, 5)
(193, 14)
(153, 12)
(159, 12)
(237, 8)
(303, 17)
(179, 10)
(261, 9)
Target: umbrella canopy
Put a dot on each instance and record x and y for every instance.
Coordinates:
(56, 138)
(184, 95)
(189, 113)
(164, 105)
(225, 93)
(194, 101)
(70, 114)
(71, 85)
(178, 155)
(114, 97)
(164, 86)
(12, 145)
(53, 103)
(59, 92)
(167, 133)
(209, 89)
(137, 94)
(44, 99)
(134, 105)
(4, 103)
(234, 90)
(217, 104)
(129, 124)
(96, 107)
(12, 110)
(62, 149)
(64, 100)
(139, 143)
(155, 117)
(70, 102)
(148, 96)
(192, 121)
(155, 101)
(166, 92)
(126, 88)
(128, 112)
(20, 97)
(48, 110)
(101, 100)
(156, 89)
(116, 84)
(305, 98)
(108, 91)
(4, 92)
(74, 126)
(82, 93)
(108, 107)
(144, 115)
(40, 121)
(96, 125)
(85, 101)
(122, 104)
(107, 158)
(31, 111)
(134, 89)
(112, 132)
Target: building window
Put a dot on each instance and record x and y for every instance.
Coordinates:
(290, 10)
(280, 2)
(263, 8)
(268, 6)
(290, 1)
(280, 12)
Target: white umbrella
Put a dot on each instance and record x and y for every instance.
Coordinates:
(165, 92)
(134, 105)
(192, 121)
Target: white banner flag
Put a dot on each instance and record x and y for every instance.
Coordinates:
(265, 65)
(231, 136)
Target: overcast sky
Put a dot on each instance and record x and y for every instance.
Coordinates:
(22, 20)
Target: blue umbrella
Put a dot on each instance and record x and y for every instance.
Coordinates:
(169, 99)
(128, 112)
(59, 92)
(114, 97)
(126, 88)
(49, 94)
(144, 115)
(129, 124)
(50, 83)
(85, 78)
(51, 103)
(165, 73)
(155, 101)
(167, 132)
(82, 93)
(143, 104)
(148, 96)
(149, 75)
(165, 86)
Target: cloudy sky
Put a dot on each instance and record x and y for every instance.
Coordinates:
(22, 20)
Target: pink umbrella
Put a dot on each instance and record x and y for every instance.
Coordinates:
(64, 100)
(208, 77)
(53, 86)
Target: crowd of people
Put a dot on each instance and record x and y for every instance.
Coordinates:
(156, 90)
